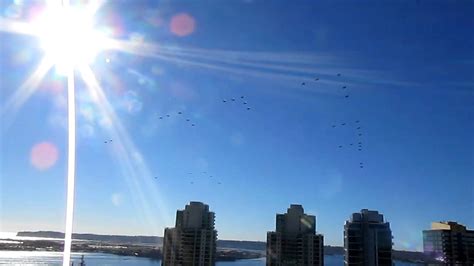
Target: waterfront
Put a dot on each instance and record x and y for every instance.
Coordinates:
(29, 258)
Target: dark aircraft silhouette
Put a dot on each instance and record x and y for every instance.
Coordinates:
(233, 99)
(187, 120)
(168, 115)
(357, 121)
(347, 96)
(241, 97)
(338, 74)
(179, 113)
(105, 141)
(245, 102)
(333, 126)
(192, 125)
(358, 128)
(248, 108)
(224, 101)
(316, 79)
(161, 117)
(360, 134)
(344, 87)
(343, 124)
(303, 83)
(350, 144)
(340, 146)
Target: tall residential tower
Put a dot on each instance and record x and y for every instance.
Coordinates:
(367, 240)
(450, 243)
(193, 240)
(295, 241)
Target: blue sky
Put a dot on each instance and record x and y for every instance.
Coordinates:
(407, 66)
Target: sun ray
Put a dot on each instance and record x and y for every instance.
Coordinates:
(26, 89)
(71, 168)
(17, 27)
(248, 64)
(302, 58)
(323, 67)
(285, 66)
(153, 51)
(136, 172)
(291, 79)
(93, 6)
(320, 70)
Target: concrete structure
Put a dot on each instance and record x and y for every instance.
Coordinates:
(450, 243)
(193, 240)
(367, 240)
(295, 241)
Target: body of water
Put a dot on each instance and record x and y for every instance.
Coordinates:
(27, 258)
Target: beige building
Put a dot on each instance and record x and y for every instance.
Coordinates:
(193, 239)
(295, 241)
(450, 243)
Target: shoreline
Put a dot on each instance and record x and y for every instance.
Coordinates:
(153, 250)
(150, 252)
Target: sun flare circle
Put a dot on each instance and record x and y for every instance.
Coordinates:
(68, 37)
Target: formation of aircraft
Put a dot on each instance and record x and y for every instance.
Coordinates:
(235, 100)
(203, 175)
(354, 127)
(179, 113)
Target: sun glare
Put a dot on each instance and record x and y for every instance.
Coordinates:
(68, 37)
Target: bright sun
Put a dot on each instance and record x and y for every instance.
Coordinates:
(68, 37)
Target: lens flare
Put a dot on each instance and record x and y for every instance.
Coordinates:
(306, 222)
(44, 155)
(116, 199)
(182, 24)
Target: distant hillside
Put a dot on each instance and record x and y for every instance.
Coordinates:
(333, 250)
(142, 240)
(228, 244)
(117, 239)
(236, 244)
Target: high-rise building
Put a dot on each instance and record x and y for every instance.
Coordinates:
(295, 241)
(367, 240)
(450, 243)
(193, 239)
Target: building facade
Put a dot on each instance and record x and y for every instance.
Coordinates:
(193, 239)
(367, 240)
(450, 243)
(295, 241)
